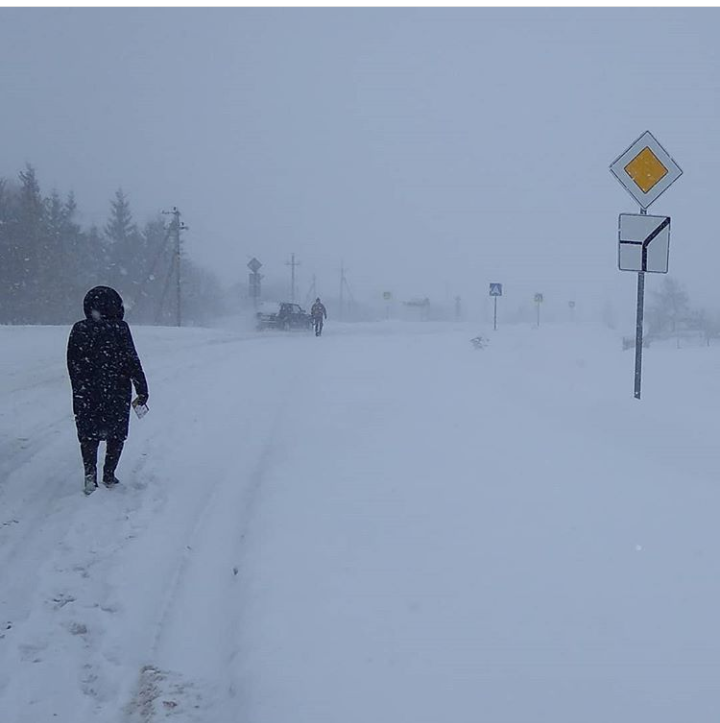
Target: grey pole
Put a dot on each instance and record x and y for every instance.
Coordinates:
(292, 264)
(176, 226)
(177, 256)
(342, 289)
(292, 282)
(495, 314)
(639, 333)
(639, 326)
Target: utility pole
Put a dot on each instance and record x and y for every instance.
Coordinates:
(292, 264)
(176, 226)
(342, 289)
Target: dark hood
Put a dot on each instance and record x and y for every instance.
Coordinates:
(105, 301)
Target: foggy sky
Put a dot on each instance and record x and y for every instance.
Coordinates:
(434, 151)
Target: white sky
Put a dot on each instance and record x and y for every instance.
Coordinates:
(433, 150)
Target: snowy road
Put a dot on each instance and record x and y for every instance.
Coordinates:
(383, 524)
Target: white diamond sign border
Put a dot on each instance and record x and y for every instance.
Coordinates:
(617, 168)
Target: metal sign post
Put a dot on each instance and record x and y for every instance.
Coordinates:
(639, 332)
(538, 301)
(645, 170)
(495, 291)
(254, 265)
(387, 296)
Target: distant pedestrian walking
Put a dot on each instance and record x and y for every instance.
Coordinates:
(103, 366)
(319, 314)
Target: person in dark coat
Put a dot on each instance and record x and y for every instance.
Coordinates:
(103, 366)
(319, 314)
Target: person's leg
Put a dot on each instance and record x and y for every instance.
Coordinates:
(112, 457)
(89, 450)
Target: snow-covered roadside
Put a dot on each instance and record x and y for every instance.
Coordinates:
(383, 523)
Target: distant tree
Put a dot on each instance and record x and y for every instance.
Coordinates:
(120, 226)
(203, 299)
(57, 263)
(669, 306)
(124, 243)
(152, 272)
(8, 259)
(84, 257)
(711, 326)
(33, 264)
(48, 261)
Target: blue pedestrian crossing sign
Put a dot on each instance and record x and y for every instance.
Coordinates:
(495, 289)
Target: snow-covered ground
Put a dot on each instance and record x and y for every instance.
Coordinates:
(383, 525)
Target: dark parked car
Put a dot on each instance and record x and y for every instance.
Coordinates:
(288, 316)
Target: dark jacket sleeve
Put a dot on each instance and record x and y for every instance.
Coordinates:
(75, 350)
(134, 367)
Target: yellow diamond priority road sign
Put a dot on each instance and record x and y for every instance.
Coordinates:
(645, 169)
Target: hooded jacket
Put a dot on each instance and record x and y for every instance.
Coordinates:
(103, 366)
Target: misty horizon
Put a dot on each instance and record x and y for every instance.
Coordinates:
(429, 151)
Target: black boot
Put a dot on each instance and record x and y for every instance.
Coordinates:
(112, 457)
(89, 448)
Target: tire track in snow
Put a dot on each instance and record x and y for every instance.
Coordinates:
(194, 634)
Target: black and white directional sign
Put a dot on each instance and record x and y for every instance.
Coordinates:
(495, 289)
(644, 243)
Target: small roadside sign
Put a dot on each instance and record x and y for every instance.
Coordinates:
(644, 243)
(387, 295)
(495, 291)
(645, 169)
(538, 301)
(571, 304)
(254, 265)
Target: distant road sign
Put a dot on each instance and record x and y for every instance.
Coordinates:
(644, 243)
(387, 295)
(254, 265)
(645, 169)
(538, 298)
(571, 304)
(495, 289)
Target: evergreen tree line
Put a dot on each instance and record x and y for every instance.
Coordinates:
(48, 261)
